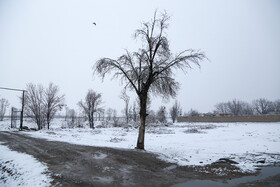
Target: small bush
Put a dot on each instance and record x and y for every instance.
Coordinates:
(159, 131)
(193, 130)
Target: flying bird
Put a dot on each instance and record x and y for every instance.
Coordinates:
(94, 23)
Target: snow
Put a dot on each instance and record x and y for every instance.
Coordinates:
(187, 143)
(20, 169)
(248, 144)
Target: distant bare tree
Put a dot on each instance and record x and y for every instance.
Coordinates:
(193, 113)
(246, 109)
(134, 112)
(70, 117)
(175, 111)
(262, 106)
(234, 107)
(150, 69)
(276, 106)
(101, 114)
(126, 99)
(221, 108)
(91, 105)
(152, 117)
(115, 118)
(161, 114)
(109, 113)
(53, 102)
(70, 114)
(3, 106)
(34, 104)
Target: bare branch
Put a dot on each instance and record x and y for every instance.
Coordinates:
(150, 70)
(106, 65)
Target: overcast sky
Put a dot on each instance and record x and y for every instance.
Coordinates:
(55, 41)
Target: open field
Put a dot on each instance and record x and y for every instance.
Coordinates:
(248, 144)
(245, 146)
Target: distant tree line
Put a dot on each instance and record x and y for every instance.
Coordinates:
(41, 104)
(256, 107)
(236, 107)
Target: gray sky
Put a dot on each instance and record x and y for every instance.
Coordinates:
(55, 41)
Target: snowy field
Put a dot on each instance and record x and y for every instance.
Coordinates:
(248, 144)
(19, 169)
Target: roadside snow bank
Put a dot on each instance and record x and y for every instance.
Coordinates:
(20, 169)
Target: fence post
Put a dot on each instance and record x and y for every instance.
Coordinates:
(12, 118)
(22, 106)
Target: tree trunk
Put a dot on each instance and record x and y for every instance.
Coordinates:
(91, 122)
(48, 120)
(143, 108)
(141, 135)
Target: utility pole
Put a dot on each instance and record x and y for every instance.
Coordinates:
(22, 106)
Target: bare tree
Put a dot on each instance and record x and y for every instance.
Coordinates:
(101, 114)
(134, 112)
(276, 106)
(246, 109)
(53, 102)
(152, 117)
(91, 105)
(193, 113)
(70, 117)
(71, 114)
(150, 69)
(115, 118)
(34, 104)
(263, 106)
(221, 108)
(126, 99)
(234, 107)
(161, 114)
(175, 111)
(3, 107)
(109, 112)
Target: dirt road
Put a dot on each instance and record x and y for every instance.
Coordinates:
(76, 165)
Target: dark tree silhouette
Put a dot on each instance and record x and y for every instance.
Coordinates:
(150, 69)
(34, 104)
(161, 114)
(175, 111)
(234, 107)
(53, 102)
(221, 108)
(193, 113)
(263, 106)
(91, 105)
(276, 106)
(42, 104)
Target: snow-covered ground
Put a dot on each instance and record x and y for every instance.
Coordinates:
(19, 169)
(249, 144)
